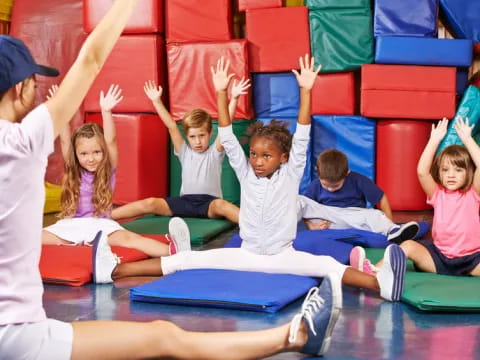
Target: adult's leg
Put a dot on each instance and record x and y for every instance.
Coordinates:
(128, 239)
(150, 205)
(220, 208)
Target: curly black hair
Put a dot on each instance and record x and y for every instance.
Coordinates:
(275, 130)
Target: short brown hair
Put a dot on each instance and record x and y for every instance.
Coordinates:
(332, 165)
(459, 156)
(196, 118)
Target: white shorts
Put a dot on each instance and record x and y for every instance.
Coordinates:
(80, 231)
(45, 340)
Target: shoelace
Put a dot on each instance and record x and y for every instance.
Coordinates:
(311, 305)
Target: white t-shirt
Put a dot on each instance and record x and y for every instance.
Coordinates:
(24, 148)
(201, 172)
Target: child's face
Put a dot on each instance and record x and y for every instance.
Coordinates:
(332, 186)
(451, 176)
(198, 138)
(265, 156)
(89, 153)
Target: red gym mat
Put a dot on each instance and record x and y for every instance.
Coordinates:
(334, 94)
(407, 91)
(244, 5)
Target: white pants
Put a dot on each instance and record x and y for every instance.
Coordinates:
(45, 340)
(344, 218)
(289, 261)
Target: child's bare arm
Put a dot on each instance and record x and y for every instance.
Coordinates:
(464, 131)
(306, 79)
(107, 103)
(221, 80)
(154, 93)
(426, 159)
(384, 205)
(65, 131)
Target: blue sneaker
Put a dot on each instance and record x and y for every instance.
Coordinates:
(391, 276)
(103, 260)
(400, 233)
(320, 311)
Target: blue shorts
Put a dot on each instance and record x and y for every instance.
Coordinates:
(190, 205)
(451, 266)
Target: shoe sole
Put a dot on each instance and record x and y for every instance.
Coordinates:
(177, 225)
(410, 231)
(398, 266)
(95, 243)
(337, 300)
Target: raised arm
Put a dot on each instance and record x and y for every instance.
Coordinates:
(154, 93)
(426, 159)
(221, 80)
(464, 131)
(65, 136)
(88, 64)
(306, 79)
(107, 103)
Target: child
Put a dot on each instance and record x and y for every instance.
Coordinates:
(91, 159)
(337, 199)
(26, 139)
(201, 191)
(452, 185)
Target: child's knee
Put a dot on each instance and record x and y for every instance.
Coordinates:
(150, 204)
(408, 246)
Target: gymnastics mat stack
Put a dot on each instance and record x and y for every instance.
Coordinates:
(138, 56)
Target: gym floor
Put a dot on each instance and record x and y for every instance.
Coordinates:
(369, 328)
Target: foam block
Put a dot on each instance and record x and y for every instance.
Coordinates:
(244, 5)
(353, 135)
(143, 156)
(269, 38)
(147, 16)
(190, 77)
(192, 20)
(463, 18)
(134, 60)
(423, 51)
(405, 18)
(399, 146)
(404, 91)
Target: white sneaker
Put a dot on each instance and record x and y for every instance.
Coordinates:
(103, 260)
(179, 236)
(392, 273)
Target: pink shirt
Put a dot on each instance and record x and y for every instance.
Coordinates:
(456, 223)
(24, 149)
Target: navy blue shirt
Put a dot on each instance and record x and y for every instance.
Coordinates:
(356, 191)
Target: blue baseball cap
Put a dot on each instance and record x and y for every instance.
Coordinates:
(17, 64)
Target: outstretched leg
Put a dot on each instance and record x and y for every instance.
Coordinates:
(157, 206)
(220, 208)
(128, 239)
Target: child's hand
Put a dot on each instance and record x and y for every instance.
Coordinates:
(240, 88)
(113, 97)
(438, 132)
(220, 78)
(463, 129)
(53, 89)
(307, 76)
(152, 91)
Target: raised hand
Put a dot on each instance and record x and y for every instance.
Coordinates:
(463, 129)
(53, 89)
(240, 88)
(221, 78)
(152, 91)
(307, 76)
(111, 99)
(438, 132)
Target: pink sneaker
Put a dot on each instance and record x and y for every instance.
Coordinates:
(360, 262)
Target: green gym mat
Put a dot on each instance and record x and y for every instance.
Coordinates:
(201, 230)
(437, 293)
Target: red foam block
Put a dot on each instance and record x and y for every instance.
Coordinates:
(406, 91)
(190, 78)
(277, 38)
(193, 20)
(147, 16)
(134, 60)
(399, 146)
(334, 94)
(143, 156)
(244, 5)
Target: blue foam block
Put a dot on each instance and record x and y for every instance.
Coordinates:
(405, 18)
(423, 51)
(275, 95)
(240, 290)
(354, 135)
(463, 17)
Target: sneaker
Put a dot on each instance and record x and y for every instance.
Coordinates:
(179, 236)
(103, 260)
(391, 275)
(359, 261)
(400, 233)
(320, 311)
